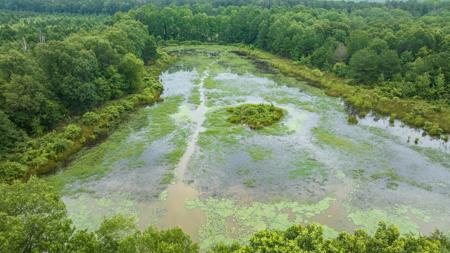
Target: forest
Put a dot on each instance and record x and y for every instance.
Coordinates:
(72, 72)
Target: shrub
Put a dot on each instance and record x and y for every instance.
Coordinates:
(392, 118)
(90, 118)
(352, 120)
(432, 129)
(72, 132)
(255, 116)
(310, 238)
(10, 171)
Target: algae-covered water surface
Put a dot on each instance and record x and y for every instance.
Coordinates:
(182, 163)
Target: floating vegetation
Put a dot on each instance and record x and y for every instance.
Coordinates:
(168, 177)
(259, 153)
(179, 144)
(306, 168)
(399, 216)
(84, 210)
(250, 183)
(339, 142)
(334, 140)
(358, 173)
(194, 98)
(434, 155)
(243, 171)
(162, 196)
(97, 161)
(256, 116)
(228, 221)
(218, 129)
(393, 178)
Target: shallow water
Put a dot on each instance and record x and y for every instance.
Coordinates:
(187, 166)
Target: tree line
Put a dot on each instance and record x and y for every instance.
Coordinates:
(30, 28)
(113, 6)
(402, 54)
(81, 6)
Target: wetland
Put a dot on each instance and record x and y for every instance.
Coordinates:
(182, 162)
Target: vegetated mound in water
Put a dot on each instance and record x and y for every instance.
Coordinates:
(256, 116)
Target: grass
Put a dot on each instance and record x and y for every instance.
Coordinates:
(99, 159)
(167, 178)
(434, 155)
(250, 183)
(179, 142)
(243, 171)
(358, 173)
(333, 140)
(393, 178)
(306, 168)
(161, 123)
(256, 116)
(218, 129)
(194, 98)
(259, 153)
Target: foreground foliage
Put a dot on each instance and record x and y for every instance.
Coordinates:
(34, 219)
(255, 116)
(310, 238)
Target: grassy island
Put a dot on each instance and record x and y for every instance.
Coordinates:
(256, 116)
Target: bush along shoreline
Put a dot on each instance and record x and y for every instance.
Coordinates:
(434, 119)
(46, 153)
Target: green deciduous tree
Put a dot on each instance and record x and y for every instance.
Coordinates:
(32, 218)
(132, 69)
(10, 135)
(364, 66)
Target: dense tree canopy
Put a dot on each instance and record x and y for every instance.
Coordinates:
(113, 6)
(47, 75)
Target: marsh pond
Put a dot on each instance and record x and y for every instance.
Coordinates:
(182, 163)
